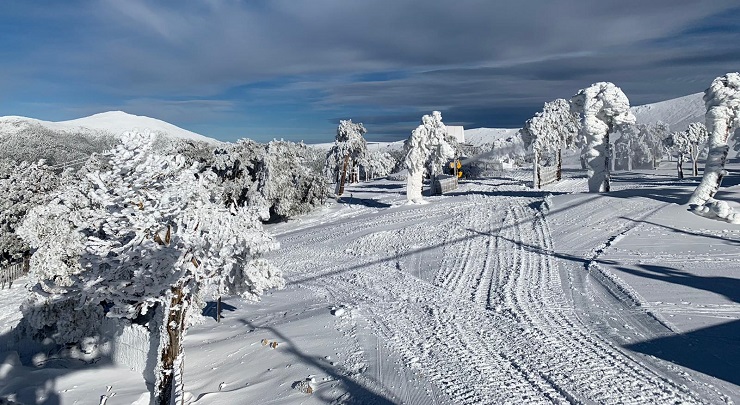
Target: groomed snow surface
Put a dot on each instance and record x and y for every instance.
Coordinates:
(495, 293)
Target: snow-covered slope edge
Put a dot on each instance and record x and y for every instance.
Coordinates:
(113, 122)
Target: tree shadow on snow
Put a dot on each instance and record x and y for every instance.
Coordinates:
(382, 186)
(726, 241)
(672, 195)
(358, 393)
(522, 193)
(210, 310)
(714, 350)
(367, 202)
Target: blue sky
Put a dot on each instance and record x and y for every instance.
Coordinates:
(292, 69)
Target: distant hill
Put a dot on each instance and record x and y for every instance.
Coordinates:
(678, 113)
(112, 123)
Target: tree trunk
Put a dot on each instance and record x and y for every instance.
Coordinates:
(560, 164)
(340, 185)
(629, 156)
(680, 167)
(173, 329)
(694, 160)
(536, 168)
(718, 125)
(607, 165)
(218, 309)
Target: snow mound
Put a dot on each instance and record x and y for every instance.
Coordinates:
(717, 209)
(113, 122)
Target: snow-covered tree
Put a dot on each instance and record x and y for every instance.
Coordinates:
(285, 182)
(722, 100)
(654, 135)
(603, 107)
(280, 176)
(428, 148)
(348, 149)
(551, 129)
(640, 145)
(23, 185)
(697, 136)
(377, 163)
(678, 143)
(688, 143)
(150, 235)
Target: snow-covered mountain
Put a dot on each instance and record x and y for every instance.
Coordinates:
(678, 113)
(113, 122)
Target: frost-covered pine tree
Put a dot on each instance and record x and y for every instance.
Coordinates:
(150, 235)
(348, 149)
(722, 100)
(549, 130)
(428, 148)
(603, 107)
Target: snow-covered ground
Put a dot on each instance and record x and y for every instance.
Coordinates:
(495, 293)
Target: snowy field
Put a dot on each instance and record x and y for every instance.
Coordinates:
(495, 293)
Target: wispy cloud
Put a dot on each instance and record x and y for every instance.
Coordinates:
(225, 63)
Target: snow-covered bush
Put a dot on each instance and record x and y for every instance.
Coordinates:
(722, 100)
(603, 107)
(23, 185)
(348, 150)
(151, 235)
(427, 149)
